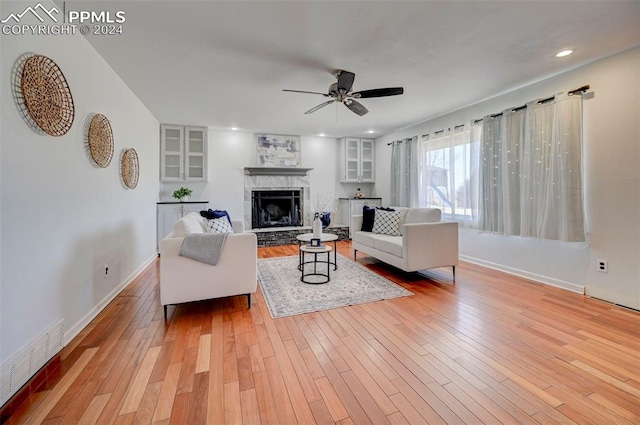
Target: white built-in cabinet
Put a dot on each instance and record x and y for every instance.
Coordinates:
(183, 153)
(358, 160)
(170, 212)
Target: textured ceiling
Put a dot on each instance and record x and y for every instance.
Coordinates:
(224, 64)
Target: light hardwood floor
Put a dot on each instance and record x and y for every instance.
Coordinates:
(491, 348)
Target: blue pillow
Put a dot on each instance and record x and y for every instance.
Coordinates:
(368, 217)
(211, 214)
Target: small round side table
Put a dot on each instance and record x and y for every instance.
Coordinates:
(324, 237)
(326, 249)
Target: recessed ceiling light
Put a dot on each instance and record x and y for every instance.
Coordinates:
(371, 131)
(321, 134)
(564, 53)
(234, 128)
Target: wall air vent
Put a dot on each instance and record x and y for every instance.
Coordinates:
(17, 370)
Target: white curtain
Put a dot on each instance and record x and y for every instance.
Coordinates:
(404, 173)
(514, 138)
(531, 171)
(413, 153)
(502, 140)
(396, 172)
(491, 213)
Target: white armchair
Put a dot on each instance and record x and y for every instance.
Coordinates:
(184, 280)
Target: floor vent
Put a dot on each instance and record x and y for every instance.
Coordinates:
(16, 371)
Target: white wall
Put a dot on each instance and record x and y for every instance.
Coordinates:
(231, 151)
(63, 219)
(612, 184)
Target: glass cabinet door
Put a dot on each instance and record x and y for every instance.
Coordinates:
(171, 154)
(352, 171)
(366, 160)
(196, 145)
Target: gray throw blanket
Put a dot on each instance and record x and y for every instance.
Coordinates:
(205, 247)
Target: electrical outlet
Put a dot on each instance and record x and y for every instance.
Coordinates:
(106, 270)
(603, 266)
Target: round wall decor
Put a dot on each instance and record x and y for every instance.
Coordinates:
(130, 168)
(47, 95)
(100, 140)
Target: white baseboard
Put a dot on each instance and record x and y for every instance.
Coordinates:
(82, 323)
(527, 275)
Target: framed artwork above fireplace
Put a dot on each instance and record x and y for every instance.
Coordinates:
(278, 150)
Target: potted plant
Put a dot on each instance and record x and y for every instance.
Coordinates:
(182, 194)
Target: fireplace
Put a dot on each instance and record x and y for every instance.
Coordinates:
(276, 208)
(268, 179)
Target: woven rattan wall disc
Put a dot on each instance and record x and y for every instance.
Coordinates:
(129, 168)
(100, 139)
(47, 95)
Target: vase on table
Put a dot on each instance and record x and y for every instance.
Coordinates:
(317, 226)
(325, 218)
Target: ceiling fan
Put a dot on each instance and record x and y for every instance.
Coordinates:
(340, 91)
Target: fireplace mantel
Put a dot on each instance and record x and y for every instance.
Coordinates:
(276, 171)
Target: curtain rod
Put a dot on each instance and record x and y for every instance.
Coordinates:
(517, 108)
(408, 139)
(548, 99)
(456, 127)
(427, 134)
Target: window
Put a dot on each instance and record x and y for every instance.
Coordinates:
(448, 174)
(518, 173)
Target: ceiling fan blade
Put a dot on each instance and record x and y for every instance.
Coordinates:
(390, 91)
(345, 81)
(355, 107)
(304, 91)
(320, 106)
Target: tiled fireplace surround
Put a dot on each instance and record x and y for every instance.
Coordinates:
(284, 235)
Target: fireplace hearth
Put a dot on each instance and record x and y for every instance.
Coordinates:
(276, 208)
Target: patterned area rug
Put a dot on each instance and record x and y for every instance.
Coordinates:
(352, 283)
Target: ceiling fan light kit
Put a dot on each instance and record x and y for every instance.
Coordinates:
(341, 91)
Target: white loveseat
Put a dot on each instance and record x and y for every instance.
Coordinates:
(426, 242)
(184, 280)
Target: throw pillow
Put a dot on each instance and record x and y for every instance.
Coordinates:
(219, 225)
(210, 214)
(387, 222)
(368, 215)
(187, 225)
(403, 216)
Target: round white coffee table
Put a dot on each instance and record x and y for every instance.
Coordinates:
(324, 237)
(323, 278)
